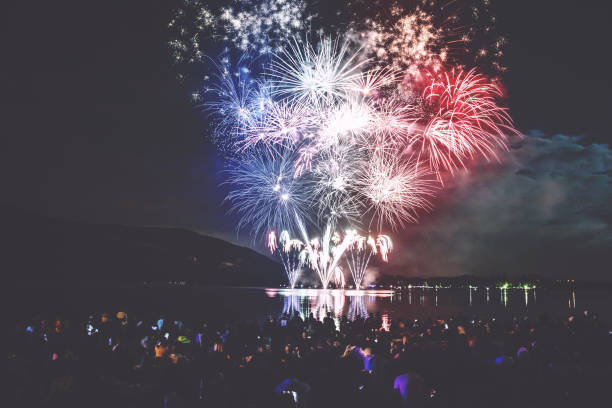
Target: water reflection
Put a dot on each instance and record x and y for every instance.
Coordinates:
(415, 302)
(357, 308)
(291, 304)
(328, 302)
(321, 302)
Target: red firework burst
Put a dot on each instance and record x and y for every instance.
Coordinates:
(465, 120)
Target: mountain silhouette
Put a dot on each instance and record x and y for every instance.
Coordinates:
(36, 248)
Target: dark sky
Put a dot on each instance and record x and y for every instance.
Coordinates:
(96, 128)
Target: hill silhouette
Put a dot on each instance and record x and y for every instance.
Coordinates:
(37, 248)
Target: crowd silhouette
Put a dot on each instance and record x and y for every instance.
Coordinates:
(123, 360)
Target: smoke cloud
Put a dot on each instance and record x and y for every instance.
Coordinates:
(546, 211)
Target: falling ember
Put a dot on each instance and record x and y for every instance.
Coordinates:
(385, 245)
(272, 241)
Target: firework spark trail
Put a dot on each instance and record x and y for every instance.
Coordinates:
(339, 279)
(290, 252)
(360, 252)
(325, 253)
(358, 257)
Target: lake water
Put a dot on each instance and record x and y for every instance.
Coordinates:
(429, 302)
(223, 303)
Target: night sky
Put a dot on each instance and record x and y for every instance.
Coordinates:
(96, 128)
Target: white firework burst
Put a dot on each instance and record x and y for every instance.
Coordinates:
(395, 190)
(321, 75)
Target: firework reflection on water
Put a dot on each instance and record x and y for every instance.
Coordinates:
(319, 302)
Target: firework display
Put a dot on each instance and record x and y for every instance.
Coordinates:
(352, 126)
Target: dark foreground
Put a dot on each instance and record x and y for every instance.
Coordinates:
(112, 360)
